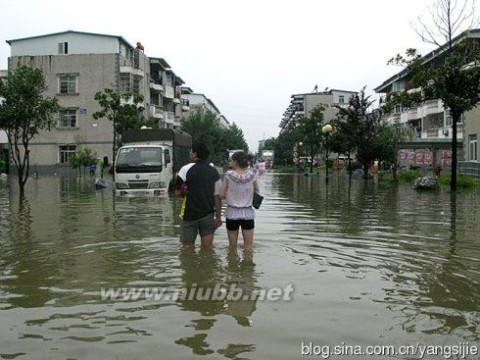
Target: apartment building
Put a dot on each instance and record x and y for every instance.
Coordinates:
(198, 101)
(431, 123)
(76, 65)
(303, 104)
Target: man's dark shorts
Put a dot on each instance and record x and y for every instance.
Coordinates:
(189, 229)
(234, 225)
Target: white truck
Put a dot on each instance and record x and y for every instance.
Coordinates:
(149, 159)
(267, 156)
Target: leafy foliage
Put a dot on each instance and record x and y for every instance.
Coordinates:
(284, 146)
(83, 158)
(204, 127)
(23, 113)
(390, 138)
(309, 130)
(452, 75)
(358, 128)
(124, 110)
(269, 144)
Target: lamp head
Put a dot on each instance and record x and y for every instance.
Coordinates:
(326, 129)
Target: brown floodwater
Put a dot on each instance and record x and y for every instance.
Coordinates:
(352, 265)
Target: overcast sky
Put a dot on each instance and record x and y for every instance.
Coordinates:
(247, 56)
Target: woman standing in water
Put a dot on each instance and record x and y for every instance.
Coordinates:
(238, 186)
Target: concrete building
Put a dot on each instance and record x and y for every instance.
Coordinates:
(198, 101)
(431, 123)
(76, 65)
(303, 104)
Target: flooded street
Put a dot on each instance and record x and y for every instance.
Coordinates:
(369, 265)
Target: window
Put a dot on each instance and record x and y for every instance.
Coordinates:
(169, 79)
(397, 86)
(63, 48)
(341, 99)
(68, 84)
(125, 82)
(448, 119)
(66, 152)
(136, 86)
(472, 147)
(68, 118)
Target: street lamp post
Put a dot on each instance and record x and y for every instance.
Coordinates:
(326, 129)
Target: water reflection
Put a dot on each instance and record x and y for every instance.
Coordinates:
(211, 289)
(426, 253)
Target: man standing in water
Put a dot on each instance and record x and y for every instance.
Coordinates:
(199, 183)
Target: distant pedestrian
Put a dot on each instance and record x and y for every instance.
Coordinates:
(93, 169)
(238, 187)
(199, 183)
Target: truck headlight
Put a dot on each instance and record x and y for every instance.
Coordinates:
(121, 185)
(156, 184)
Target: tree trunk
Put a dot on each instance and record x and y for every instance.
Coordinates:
(453, 179)
(365, 171)
(311, 158)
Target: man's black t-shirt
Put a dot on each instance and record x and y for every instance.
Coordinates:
(203, 182)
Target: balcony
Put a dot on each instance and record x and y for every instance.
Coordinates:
(432, 107)
(395, 117)
(169, 117)
(185, 105)
(131, 70)
(169, 92)
(156, 111)
(412, 114)
(156, 86)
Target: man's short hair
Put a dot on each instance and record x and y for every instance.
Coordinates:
(201, 150)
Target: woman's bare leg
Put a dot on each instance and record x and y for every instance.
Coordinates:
(232, 238)
(247, 239)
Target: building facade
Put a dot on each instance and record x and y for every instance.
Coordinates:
(77, 65)
(198, 102)
(431, 123)
(303, 104)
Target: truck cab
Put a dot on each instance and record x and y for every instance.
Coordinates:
(148, 161)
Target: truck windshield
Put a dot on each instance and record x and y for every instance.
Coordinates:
(139, 158)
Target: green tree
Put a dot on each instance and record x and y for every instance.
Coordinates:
(359, 127)
(391, 136)
(124, 110)
(346, 137)
(309, 131)
(452, 75)
(23, 113)
(83, 158)
(269, 144)
(204, 126)
(235, 139)
(284, 145)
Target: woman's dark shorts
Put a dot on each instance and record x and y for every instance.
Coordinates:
(233, 225)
